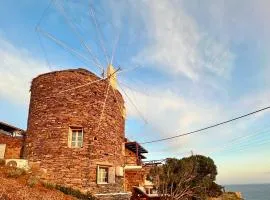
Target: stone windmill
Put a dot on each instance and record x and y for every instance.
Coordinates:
(76, 124)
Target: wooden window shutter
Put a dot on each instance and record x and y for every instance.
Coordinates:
(97, 174)
(111, 175)
(69, 137)
(2, 151)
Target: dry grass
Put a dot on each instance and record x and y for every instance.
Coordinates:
(18, 185)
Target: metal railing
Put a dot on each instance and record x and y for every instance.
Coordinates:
(133, 160)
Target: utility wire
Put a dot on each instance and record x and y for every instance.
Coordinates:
(208, 127)
(245, 147)
(245, 138)
(239, 141)
(250, 144)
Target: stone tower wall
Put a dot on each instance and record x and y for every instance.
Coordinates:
(54, 108)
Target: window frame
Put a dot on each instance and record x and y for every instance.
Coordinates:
(99, 175)
(76, 142)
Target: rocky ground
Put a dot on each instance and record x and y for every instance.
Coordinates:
(228, 196)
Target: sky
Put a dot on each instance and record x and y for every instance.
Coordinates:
(186, 65)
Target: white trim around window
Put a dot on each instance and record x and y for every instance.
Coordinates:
(75, 137)
(102, 174)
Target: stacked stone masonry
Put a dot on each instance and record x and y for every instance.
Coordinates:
(13, 146)
(57, 103)
(134, 178)
(130, 157)
(126, 196)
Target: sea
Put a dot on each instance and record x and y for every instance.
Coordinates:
(251, 191)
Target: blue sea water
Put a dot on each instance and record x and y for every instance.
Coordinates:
(251, 192)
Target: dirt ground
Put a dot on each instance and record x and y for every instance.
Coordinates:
(19, 189)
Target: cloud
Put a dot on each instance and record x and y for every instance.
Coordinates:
(171, 113)
(178, 39)
(167, 109)
(178, 45)
(17, 70)
(196, 41)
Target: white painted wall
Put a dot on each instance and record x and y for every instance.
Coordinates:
(2, 150)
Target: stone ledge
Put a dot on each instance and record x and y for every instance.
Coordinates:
(113, 196)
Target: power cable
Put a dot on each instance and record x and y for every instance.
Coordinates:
(208, 127)
(259, 141)
(243, 139)
(245, 147)
(247, 144)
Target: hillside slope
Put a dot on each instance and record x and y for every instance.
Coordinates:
(18, 187)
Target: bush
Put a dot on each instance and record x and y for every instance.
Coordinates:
(70, 191)
(48, 185)
(2, 162)
(214, 190)
(32, 181)
(13, 172)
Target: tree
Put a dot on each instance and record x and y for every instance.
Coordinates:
(184, 179)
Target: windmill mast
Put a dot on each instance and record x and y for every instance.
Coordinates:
(111, 74)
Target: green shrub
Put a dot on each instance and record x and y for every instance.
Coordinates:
(70, 191)
(13, 172)
(2, 162)
(74, 192)
(32, 181)
(214, 190)
(48, 185)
